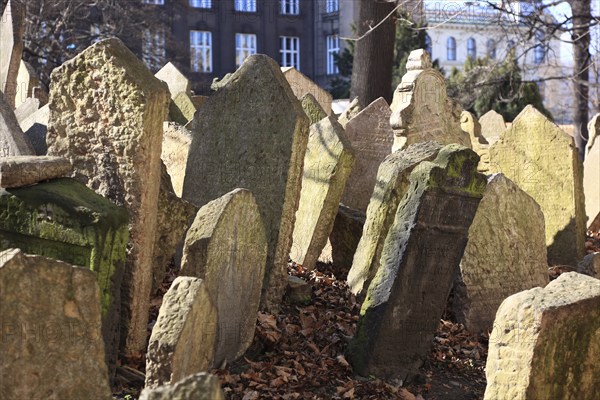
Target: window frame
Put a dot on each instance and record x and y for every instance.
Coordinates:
(293, 51)
(241, 48)
(244, 6)
(332, 6)
(333, 47)
(451, 49)
(203, 47)
(289, 7)
(471, 48)
(153, 47)
(202, 4)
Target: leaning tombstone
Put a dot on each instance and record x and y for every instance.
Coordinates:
(13, 141)
(226, 246)
(29, 85)
(261, 149)
(470, 124)
(51, 343)
(546, 342)
(35, 128)
(542, 160)
(492, 126)
(327, 164)
(345, 235)
(12, 30)
(175, 149)
(312, 108)
(392, 184)
(175, 79)
(183, 337)
(302, 85)
(182, 109)
(106, 116)
(421, 109)
(371, 135)
(418, 263)
(202, 386)
(505, 254)
(591, 185)
(352, 109)
(593, 132)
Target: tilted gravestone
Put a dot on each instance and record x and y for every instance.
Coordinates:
(65, 220)
(312, 108)
(327, 164)
(175, 149)
(591, 181)
(13, 141)
(344, 237)
(182, 109)
(392, 184)
(421, 109)
(202, 386)
(419, 260)
(492, 126)
(252, 133)
(546, 343)
(29, 85)
(12, 29)
(226, 246)
(28, 107)
(106, 116)
(505, 254)
(470, 124)
(35, 128)
(593, 132)
(542, 160)
(302, 85)
(51, 344)
(175, 79)
(371, 135)
(183, 339)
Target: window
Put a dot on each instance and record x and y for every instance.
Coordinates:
(245, 45)
(428, 46)
(158, 2)
(290, 7)
(539, 52)
(201, 51)
(153, 48)
(451, 49)
(491, 49)
(333, 48)
(201, 3)
(332, 6)
(471, 48)
(245, 5)
(290, 51)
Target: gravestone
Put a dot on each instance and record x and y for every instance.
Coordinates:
(345, 235)
(492, 126)
(183, 339)
(302, 85)
(327, 164)
(392, 184)
(312, 108)
(106, 116)
(593, 132)
(175, 79)
(226, 246)
(260, 148)
(35, 128)
(371, 135)
(29, 85)
(350, 112)
(469, 124)
(182, 109)
(175, 149)
(202, 386)
(419, 260)
(64, 220)
(26, 108)
(542, 160)
(546, 342)
(23, 171)
(12, 29)
(421, 109)
(13, 141)
(51, 344)
(505, 254)
(591, 184)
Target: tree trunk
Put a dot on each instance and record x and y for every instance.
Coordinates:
(581, 48)
(374, 54)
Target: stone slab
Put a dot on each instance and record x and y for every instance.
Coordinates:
(182, 109)
(470, 124)
(492, 126)
(26, 108)
(175, 79)
(302, 85)
(13, 141)
(29, 85)
(312, 108)
(202, 386)
(175, 150)
(35, 128)
(591, 184)
(345, 235)
(23, 171)
(12, 30)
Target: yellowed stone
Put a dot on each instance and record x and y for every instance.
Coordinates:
(492, 126)
(470, 124)
(591, 182)
(301, 85)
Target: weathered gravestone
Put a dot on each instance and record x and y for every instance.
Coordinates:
(546, 343)
(371, 135)
(106, 116)
(302, 85)
(183, 339)
(27, 108)
(226, 246)
(469, 124)
(65, 220)
(593, 132)
(51, 344)
(182, 109)
(542, 160)
(392, 184)
(591, 184)
(419, 260)
(29, 85)
(345, 235)
(350, 112)
(202, 386)
(505, 254)
(492, 126)
(13, 141)
(253, 133)
(20, 171)
(312, 108)
(175, 149)
(175, 79)
(327, 164)
(35, 128)
(421, 109)
(12, 29)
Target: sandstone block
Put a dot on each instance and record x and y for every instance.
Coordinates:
(35, 128)
(13, 141)
(302, 85)
(200, 386)
(23, 171)
(492, 126)
(12, 30)
(312, 108)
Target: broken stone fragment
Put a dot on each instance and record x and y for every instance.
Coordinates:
(20, 171)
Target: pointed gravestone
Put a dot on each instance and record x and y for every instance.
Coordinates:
(106, 116)
(421, 109)
(175, 79)
(312, 108)
(227, 248)
(252, 133)
(542, 160)
(505, 254)
(175, 148)
(392, 184)
(371, 135)
(591, 185)
(51, 343)
(419, 260)
(13, 141)
(183, 337)
(492, 126)
(301, 85)
(327, 164)
(546, 343)
(202, 386)
(469, 124)
(12, 29)
(35, 128)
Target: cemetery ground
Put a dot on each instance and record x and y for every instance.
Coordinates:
(299, 353)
